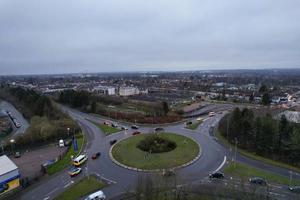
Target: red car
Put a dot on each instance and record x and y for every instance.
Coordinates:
(96, 155)
(136, 133)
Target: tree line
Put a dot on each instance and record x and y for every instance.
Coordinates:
(263, 135)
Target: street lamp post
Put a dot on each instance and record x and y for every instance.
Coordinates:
(12, 141)
(236, 141)
(68, 131)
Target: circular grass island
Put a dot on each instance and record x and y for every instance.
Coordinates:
(155, 151)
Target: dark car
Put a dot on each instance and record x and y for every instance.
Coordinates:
(112, 142)
(96, 155)
(17, 155)
(134, 127)
(295, 189)
(159, 129)
(217, 175)
(136, 133)
(258, 181)
(189, 123)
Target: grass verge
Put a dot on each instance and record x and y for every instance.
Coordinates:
(244, 171)
(257, 157)
(128, 154)
(66, 160)
(106, 129)
(84, 187)
(194, 126)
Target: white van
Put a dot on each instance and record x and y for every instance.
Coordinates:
(79, 160)
(99, 195)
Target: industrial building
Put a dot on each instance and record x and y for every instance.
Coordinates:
(9, 175)
(128, 91)
(104, 90)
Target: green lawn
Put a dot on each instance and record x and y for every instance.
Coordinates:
(82, 188)
(194, 126)
(66, 160)
(106, 129)
(127, 153)
(257, 157)
(244, 171)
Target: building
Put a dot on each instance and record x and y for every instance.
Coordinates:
(9, 175)
(128, 91)
(104, 90)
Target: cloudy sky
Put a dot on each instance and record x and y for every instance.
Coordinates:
(58, 36)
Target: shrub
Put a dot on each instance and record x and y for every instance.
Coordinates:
(156, 144)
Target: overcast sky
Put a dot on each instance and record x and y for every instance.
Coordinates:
(59, 36)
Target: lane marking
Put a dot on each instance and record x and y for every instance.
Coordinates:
(222, 164)
(48, 194)
(68, 184)
(46, 198)
(108, 180)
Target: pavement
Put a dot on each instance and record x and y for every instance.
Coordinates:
(214, 157)
(9, 107)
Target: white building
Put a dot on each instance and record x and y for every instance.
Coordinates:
(104, 90)
(128, 91)
(9, 175)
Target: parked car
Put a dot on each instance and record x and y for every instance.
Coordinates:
(159, 129)
(17, 154)
(134, 127)
(258, 181)
(114, 125)
(99, 195)
(96, 155)
(136, 133)
(168, 172)
(217, 175)
(211, 114)
(295, 189)
(112, 142)
(106, 123)
(124, 128)
(74, 171)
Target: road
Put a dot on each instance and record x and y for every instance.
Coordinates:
(214, 156)
(9, 107)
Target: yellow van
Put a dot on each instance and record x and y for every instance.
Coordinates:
(79, 160)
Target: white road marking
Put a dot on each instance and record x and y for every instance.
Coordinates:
(48, 194)
(68, 184)
(222, 164)
(46, 198)
(276, 194)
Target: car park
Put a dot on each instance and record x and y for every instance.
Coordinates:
(295, 189)
(96, 155)
(79, 160)
(134, 127)
(216, 175)
(112, 142)
(258, 181)
(99, 195)
(136, 133)
(74, 171)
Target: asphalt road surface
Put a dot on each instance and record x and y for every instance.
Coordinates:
(214, 156)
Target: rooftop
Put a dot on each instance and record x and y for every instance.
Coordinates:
(6, 165)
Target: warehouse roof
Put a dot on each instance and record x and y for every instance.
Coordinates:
(6, 165)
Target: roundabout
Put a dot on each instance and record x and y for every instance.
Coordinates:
(154, 152)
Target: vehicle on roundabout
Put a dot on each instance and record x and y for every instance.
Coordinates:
(257, 181)
(168, 172)
(134, 127)
(124, 128)
(136, 133)
(216, 175)
(74, 171)
(112, 142)
(295, 189)
(159, 129)
(96, 155)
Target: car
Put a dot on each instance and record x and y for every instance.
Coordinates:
(258, 181)
(114, 125)
(211, 114)
(199, 119)
(124, 128)
(159, 129)
(295, 189)
(96, 155)
(134, 127)
(74, 171)
(216, 175)
(17, 154)
(106, 123)
(112, 142)
(168, 172)
(189, 123)
(99, 195)
(136, 133)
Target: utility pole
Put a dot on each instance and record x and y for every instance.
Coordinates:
(236, 141)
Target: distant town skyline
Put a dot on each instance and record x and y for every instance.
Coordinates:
(54, 37)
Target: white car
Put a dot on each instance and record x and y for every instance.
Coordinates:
(96, 195)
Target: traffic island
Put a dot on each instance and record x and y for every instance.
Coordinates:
(154, 152)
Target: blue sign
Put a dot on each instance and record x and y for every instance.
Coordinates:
(75, 145)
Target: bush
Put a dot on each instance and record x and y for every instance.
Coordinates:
(156, 144)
